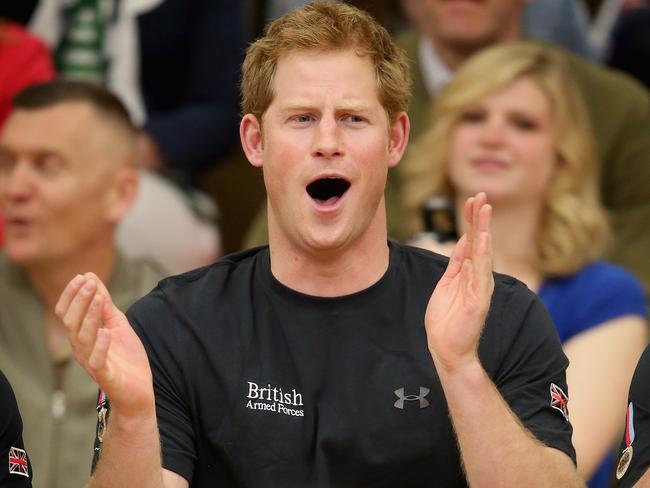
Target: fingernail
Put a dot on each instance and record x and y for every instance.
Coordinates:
(88, 287)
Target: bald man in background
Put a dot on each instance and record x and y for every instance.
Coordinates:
(67, 176)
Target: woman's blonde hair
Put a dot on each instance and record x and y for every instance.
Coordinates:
(574, 228)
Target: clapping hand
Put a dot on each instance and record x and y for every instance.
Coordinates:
(112, 354)
(460, 301)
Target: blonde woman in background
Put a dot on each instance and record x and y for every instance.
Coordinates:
(511, 124)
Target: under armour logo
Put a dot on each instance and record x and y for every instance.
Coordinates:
(402, 398)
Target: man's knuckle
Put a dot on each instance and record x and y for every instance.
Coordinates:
(67, 321)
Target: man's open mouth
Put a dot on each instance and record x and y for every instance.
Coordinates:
(327, 191)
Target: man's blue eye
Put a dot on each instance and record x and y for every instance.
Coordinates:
(354, 118)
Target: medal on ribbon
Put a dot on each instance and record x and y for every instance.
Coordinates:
(626, 455)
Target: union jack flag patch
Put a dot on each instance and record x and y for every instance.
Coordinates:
(18, 463)
(559, 401)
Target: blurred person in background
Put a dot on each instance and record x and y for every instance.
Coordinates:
(512, 124)
(633, 465)
(174, 63)
(67, 177)
(24, 59)
(448, 33)
(629, 48)
(168, 227)
(564, 23)
(15, 467)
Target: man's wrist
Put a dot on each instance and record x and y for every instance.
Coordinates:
(142, 425)
(469, 368)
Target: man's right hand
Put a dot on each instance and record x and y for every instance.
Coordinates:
(116, 359)
(113, 354)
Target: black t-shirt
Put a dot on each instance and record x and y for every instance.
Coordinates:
(15, 468)
(636, 460)
(258, 385)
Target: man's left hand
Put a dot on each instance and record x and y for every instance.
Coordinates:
(459, 304)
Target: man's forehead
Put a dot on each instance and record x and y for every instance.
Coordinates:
(316, 56)
(65, 129)
(301, 76)
(58, 118)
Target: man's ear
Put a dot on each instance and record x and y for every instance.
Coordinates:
(399, 136)
(123, 194)
(250, 133)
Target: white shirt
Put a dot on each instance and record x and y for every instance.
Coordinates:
(435, 72)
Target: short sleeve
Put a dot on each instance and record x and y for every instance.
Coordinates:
(153, 320)
(15, 467)
(613, 292)
(604, 292)
(530, 372)
(633, 464)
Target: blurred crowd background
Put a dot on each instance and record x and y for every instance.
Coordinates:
(175, 65)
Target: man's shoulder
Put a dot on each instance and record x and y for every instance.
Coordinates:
(10, 422)
(13, 282)
(420, 255)
(7, 268)
(195, 299)
(214, 277)
(599, 81)
(408, 41)
(429, 261)
(132, 279)
(640, 389)
(6, 395)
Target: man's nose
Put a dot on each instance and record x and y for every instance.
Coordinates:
(16, 182)
(327, 139)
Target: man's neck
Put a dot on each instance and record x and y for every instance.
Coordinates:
(331, 272)
(453, 55)
(50, 278)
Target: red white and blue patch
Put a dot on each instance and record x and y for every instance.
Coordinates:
(559, 401)
(18, 463)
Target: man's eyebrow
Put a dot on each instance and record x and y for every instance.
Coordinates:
(297, 105)
(40, 152)
(51, 153)
(353, 107)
